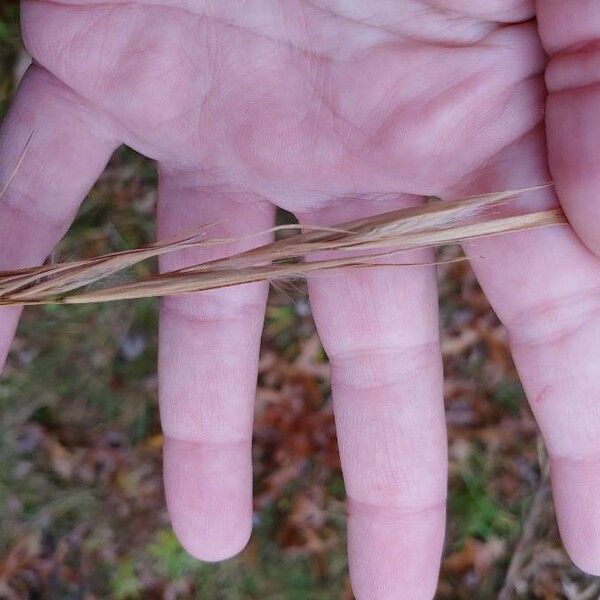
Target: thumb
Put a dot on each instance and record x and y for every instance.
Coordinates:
(570, 33)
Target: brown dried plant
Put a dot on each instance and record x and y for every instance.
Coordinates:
(360, 243)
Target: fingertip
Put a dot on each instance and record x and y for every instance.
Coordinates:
(209, 497)
(582, 546)
(576, 491)
(393, 553)
(212, 544)
(587, 560)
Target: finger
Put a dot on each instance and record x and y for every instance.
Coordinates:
(66, 147)
(544, 286)
(208, 362)
(379, 328)
(571, 34)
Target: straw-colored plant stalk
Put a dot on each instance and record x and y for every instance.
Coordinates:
(356, 244)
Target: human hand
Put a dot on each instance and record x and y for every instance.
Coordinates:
(333, 110)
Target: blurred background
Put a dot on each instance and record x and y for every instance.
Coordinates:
(82, 513)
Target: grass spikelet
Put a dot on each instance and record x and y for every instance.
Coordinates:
(359, 243)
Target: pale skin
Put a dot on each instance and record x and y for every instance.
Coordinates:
(334, 109)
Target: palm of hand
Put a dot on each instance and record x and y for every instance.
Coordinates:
(332, 115)
(300, 98)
